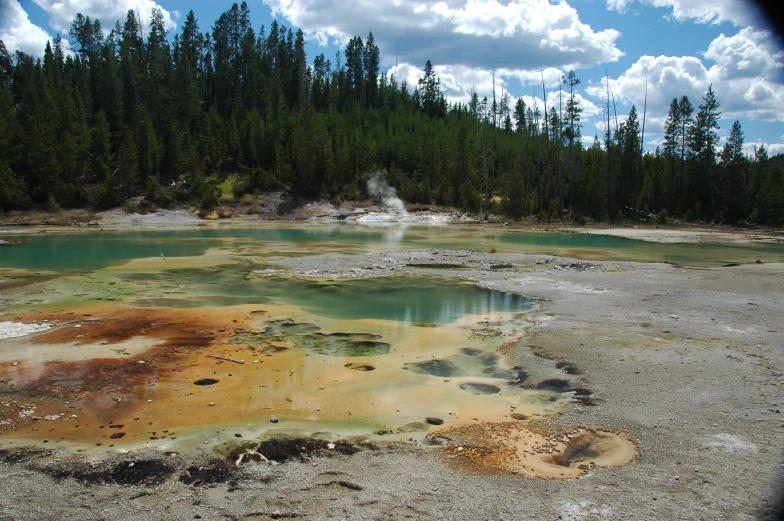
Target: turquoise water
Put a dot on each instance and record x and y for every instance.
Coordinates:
(90, 251)
(408, 299)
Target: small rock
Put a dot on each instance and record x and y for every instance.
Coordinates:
(434, 421)
(273, 420)
(212, 404)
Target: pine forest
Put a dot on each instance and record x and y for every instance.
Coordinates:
(136, 112)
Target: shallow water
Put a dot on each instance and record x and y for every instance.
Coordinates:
(97, 250)
(336, 357)
(143, 314)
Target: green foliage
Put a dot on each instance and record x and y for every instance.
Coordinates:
(13, 194)
(155, 193)
(51, 204)
(259, 180)
(210, 193)
(131, 206)
(661, 217)
(131, 114)
(102, 197)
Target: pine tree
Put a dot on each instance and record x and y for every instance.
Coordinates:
(703, 138)
(685, 110)
(572, 131)
(672, 145)
(630, 152)
(733, 175)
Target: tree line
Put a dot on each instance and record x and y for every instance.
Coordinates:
(133, 112)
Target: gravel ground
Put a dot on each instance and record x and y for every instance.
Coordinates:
(689, 360)
(682, 234)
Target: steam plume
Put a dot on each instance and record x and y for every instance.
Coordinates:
(378, 188)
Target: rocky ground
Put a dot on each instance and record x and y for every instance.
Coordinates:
(687, 234)
(690, 360)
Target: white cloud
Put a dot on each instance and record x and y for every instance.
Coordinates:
(748, 54)
(746, 77)
(551, 76)
(740, 13)
(62, 12)
(773, 149)
(18, 32)
(514, 35)
(458, 83)
(465, 40)
(589, 107)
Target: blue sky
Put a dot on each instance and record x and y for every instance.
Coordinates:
(682, 46)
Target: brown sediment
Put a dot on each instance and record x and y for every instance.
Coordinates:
(333, 375)
(104, 390)
(535, 450)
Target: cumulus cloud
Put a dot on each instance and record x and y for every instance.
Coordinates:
(458, 83)
(713, 12)
(746, 76)
(773, 149)
(558, 100)
(551, 76)
(516, 35)
(62, 12)
(525, 41)
(18, 32)
(748, 54)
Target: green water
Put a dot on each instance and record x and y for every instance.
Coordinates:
(82, 252)
(408, 299)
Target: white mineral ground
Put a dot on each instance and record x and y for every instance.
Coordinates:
(687, 360)
(684, 236)
(9, 329)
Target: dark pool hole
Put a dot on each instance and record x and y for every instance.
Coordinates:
(479, 388)
(554, 384)
(284, 448)
(581, 395)
(360, 367)
(205, 381)
(441, 368)
(136, 472)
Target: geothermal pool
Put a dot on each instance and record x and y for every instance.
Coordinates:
(87, 251)
(165, 339)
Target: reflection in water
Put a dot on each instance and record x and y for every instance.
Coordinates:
(98, 250)
(164, 353)
(330, 356)
(409, 299)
